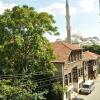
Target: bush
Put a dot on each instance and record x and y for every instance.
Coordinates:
(56, 93)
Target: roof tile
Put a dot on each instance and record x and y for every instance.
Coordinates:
(87, 55)
(62, 50)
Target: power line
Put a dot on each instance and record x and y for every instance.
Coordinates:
(47, 82)
(40, 82)
(35, 73)
(35, 80)
(25, 76)
(50, 82)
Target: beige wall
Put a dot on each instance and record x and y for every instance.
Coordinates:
(68, 66)
(59, 68)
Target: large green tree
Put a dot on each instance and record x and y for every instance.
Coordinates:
(24, 50)
(23, 47)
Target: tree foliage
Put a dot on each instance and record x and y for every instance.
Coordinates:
(19, 91)
(25, 50)
(93, 48)
(56, 92)
(23, 47)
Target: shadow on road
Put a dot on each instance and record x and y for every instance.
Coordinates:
(84, 94)
(77, 98)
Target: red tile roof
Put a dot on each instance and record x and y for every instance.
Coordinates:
(97, 55)
(73, 46)
(87, 55)
(62, 50)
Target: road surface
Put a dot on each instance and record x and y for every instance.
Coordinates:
(95, 94)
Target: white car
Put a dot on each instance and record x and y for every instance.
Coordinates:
(87, 87)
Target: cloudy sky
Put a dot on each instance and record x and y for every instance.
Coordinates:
(85, 19)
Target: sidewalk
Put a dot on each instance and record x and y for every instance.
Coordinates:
(98, 76)
(76, 96)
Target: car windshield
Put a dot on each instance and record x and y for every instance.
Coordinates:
(85, 86)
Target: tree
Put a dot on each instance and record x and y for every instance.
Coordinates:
(25, 51)
(93, 48)
(57, 91)
(23, 47)
(9, 91)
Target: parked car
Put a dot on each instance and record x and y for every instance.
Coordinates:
(87, 87)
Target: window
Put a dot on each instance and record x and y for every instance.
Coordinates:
(70, 79)
(77, 55)
(92, 84)
(72, 57)
(66, 79)
(79, 72)
(95, 62)
(85, 86)
(80, 55)
(83, 63)
(85, 67)
(88, 86)
(75, 75)
(69, 58)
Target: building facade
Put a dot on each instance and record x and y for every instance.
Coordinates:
(69, 64)
(74, 66)
(90, 65)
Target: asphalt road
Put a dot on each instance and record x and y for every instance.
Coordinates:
(95, 94)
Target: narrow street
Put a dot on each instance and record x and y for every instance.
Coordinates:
(95, 94)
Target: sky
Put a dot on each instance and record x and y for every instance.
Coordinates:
(85, 19)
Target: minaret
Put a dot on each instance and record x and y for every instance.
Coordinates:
(99, 7)
(68, 27)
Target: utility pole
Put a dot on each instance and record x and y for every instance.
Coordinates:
(63, 82)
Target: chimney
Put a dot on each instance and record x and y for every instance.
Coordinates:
(68, 27)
